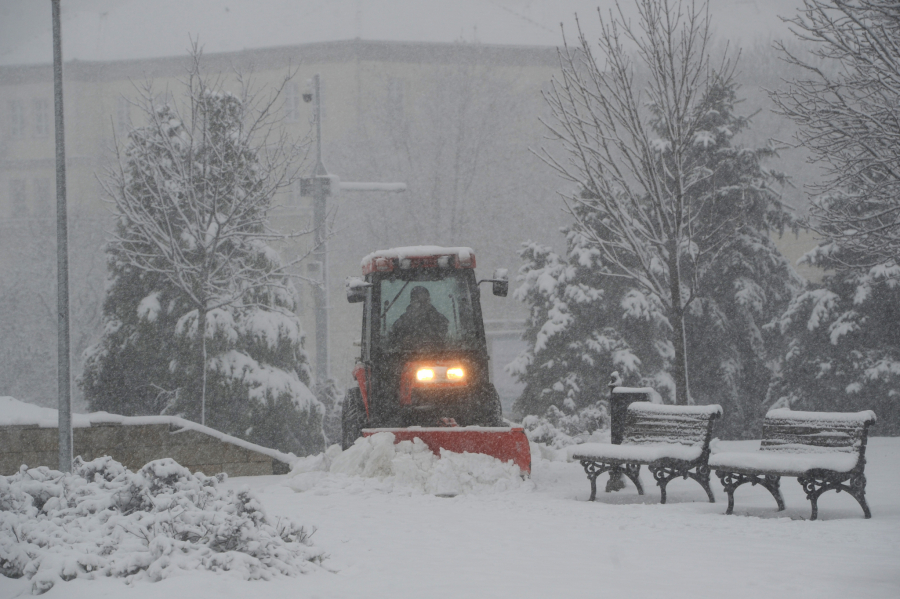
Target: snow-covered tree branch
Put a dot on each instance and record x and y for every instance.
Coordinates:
(843, 335)
(848, 110)
(641, 145)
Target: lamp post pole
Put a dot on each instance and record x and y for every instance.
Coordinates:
(320, 191)
(320, 186)
(63, 383)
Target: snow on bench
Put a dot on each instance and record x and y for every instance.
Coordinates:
(671, 441)
(823, 450)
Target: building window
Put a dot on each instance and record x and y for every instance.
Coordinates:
(16, 118)
(44, 198)
(41, 111)
(123, 116)
(18, 198)
(292, 102)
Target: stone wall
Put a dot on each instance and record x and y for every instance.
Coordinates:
(134, 445)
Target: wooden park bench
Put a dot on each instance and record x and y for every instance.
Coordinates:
(824, 450)
(672, 441)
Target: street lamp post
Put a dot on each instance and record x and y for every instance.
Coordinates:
(320, 196)
(64, 385)
(320, 185)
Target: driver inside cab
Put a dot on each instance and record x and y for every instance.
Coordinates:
(421, 323)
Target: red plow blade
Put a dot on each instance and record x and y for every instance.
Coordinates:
(503, 443)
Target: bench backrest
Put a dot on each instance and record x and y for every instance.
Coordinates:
(788, 431)
(647, 423)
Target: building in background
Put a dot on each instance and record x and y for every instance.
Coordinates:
(448, 102)
(455, 121)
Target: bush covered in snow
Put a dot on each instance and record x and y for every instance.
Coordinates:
(105, 520)
(558, 429)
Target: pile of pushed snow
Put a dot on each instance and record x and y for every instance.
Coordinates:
(407, 466)
(105, 520)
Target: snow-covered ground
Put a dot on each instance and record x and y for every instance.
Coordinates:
(389, 535)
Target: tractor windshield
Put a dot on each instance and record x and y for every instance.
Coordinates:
(421, 313)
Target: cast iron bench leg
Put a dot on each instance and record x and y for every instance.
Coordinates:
(816, 485)
(664, 474)
(858, 491)
(633, 472)
(702, 477)
(732, 480)
(773, 484)
(593, 470)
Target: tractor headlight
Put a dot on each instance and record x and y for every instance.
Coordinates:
(455, 374)
(440, 374)
(433, 380)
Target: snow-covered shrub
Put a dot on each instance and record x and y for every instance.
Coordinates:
(105, 520)
(558, 429)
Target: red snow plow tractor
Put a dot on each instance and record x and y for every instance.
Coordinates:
(423, 366)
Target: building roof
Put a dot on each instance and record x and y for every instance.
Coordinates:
(255, 60)
(107, 30)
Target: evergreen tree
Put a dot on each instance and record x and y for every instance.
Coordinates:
(844, 337)
(844, 348)
(588, 320)
(199, 314)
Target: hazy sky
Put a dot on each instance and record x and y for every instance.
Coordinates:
(124, 29)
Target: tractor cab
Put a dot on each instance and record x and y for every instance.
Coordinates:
(424, 357)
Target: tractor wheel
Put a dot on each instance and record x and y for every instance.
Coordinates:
(353, 417)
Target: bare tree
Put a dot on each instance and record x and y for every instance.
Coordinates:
(848, 110)
(644, 198)
(192, 191)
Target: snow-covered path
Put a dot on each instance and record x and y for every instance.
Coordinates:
(548, 541)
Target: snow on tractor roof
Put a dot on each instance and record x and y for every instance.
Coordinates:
(418, 256)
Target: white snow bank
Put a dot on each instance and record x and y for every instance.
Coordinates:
(105, 521)
(410, 467)
(18, 413)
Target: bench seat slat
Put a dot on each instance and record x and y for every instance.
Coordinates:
(782, 464)
(655, 424)
(780, 434)
(636, 453)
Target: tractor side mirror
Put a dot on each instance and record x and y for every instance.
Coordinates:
(356, 289)
(500, 282)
